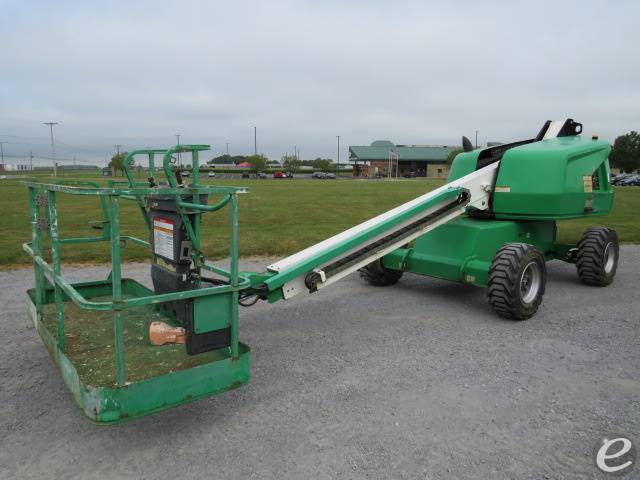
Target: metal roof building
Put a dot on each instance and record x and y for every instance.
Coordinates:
(383, 157)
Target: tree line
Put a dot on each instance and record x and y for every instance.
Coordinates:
(625, 155)
(258, 162)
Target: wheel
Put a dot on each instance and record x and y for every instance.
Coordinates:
(377, 274)
(597, 257)
(517, 279)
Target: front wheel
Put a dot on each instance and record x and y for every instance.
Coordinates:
(597, 256)
(517, 280)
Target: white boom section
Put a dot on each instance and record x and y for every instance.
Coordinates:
(478, 183)
(554, 128)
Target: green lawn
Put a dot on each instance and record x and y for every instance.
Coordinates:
(277, 217)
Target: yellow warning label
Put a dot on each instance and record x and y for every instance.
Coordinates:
(588, 183)
(502, 189)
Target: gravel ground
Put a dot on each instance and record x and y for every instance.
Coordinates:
(417, 380)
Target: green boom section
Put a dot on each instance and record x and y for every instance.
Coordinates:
(277, 280)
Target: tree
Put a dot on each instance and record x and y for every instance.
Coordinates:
(625, 154)
(228, 159)
(291, 163)
(258, 162)
(323, 164)
(222, 159)
(117, 162)
(453, 154)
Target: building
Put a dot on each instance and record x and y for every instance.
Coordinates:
(16, 167)
(383, 157)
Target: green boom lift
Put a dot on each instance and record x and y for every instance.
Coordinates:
(492, 225)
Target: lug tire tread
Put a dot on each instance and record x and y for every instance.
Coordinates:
(504, 276)
(590, 256)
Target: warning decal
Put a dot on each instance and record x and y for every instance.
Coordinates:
(163, 237)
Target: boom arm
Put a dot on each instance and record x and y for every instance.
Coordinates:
(332, 259)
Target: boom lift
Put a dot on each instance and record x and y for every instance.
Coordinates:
(492, 225)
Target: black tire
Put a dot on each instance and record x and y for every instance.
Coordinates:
(517, 280)
(597, 257)
(377, 274)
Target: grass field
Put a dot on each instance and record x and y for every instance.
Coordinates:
(277, 217)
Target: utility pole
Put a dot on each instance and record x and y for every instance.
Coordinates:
(118, 149)
(53, 147)
(227, 149)
(338, 169)
(31, 160)
(476, 138)
(179, 156)
(1, 154)
(295, 152)
(255, 140)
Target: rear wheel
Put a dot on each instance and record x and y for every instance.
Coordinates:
(377, 274)
(597, 256)
(517, 280)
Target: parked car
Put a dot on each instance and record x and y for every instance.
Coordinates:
(329, 176)
(318, 175)
(246, 175)
(410, 174)
(620, 178)
(261, 175)
(288, 174)
(279, 175)
(211, 174)
(185, 173)
(632, 180)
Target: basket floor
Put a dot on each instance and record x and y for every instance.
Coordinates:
(89, 344)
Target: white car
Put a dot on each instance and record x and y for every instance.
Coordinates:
(185, 173)
(211, 174)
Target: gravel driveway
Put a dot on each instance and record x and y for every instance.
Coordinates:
(417, 380)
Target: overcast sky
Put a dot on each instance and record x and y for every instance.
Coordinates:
(137, 73)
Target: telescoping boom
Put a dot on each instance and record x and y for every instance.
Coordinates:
(326, 262)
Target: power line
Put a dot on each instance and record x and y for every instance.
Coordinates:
(21, 136)
(23, 143)
(39, 157)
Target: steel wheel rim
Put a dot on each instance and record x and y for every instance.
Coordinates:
(530, 282)
(609, 258)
